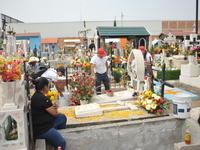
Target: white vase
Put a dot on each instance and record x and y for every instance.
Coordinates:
(83, 102)
(8, 89)
(191, 59)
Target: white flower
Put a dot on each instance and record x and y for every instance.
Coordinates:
(149, 101)
(148, 107)
(154, 95)
(157, 97)
(144, 103)
(153, 106)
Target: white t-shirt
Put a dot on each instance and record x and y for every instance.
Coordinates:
(99, 64)
(148, 56)
(50, 74)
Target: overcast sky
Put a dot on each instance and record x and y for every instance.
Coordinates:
(98, 10)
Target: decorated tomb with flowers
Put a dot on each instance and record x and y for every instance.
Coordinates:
(13, 102)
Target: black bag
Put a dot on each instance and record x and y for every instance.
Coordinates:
(41, 69)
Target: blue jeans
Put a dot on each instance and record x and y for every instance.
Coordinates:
(102, 78)
(52, 136)
(146, 72)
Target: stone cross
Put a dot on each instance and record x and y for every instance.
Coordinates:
(171, 39)
(193, 41)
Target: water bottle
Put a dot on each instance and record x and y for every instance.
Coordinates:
(187, 135)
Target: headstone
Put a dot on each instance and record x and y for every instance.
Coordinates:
(193, 41)
(178, 60)
(13, 120)
(116, 52)
(121, 52)
(135, 68)
(190, 72)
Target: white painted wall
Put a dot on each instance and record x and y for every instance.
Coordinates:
(70, 29)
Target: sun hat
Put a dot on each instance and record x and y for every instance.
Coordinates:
(101, 51)
(33, 59)
(142, 48)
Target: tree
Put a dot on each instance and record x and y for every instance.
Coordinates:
(115, 23)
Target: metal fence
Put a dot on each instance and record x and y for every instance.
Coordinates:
(117, 74)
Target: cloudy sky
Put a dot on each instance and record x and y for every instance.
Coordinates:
(98, 10)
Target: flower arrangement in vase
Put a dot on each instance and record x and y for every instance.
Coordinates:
(10, 70)
(81, 87)
(151, 102)
(190, 51)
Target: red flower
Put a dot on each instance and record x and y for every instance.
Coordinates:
(159, 110)
(83, 74)
(151, 110)
(143, 105)
(82, 92)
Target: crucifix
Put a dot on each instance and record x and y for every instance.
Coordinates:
(161, 81)
(171, 39)
(193, 42)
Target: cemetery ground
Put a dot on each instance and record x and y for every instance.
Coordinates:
(126, 132)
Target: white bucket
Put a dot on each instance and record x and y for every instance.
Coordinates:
(181, 105)
(64, 101)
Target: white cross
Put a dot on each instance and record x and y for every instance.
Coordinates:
(170, 39)
(193, 41)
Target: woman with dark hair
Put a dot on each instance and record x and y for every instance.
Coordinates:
(45, 116)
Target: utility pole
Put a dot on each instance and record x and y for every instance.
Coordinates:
(122, 18)
(197, 1)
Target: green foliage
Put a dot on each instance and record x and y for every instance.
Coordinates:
(59, 51)
(169, 74)
(117, 73)
(107, 49)
(115, 23)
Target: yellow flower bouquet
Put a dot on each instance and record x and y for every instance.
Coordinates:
(52, 95)
(151, 102)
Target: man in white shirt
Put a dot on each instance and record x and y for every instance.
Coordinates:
(99, 70)
(52, 75)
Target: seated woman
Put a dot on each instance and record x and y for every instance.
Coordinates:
(45, 116)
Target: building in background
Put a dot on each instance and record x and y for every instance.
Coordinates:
(64, 31)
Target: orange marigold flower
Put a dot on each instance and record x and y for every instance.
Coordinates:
(9, 62)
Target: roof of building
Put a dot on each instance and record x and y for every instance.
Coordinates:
(28, 34)
(50, 40)
(180, 32)
(121, 31)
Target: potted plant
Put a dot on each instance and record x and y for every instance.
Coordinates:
(81, 87)
(190, 53)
